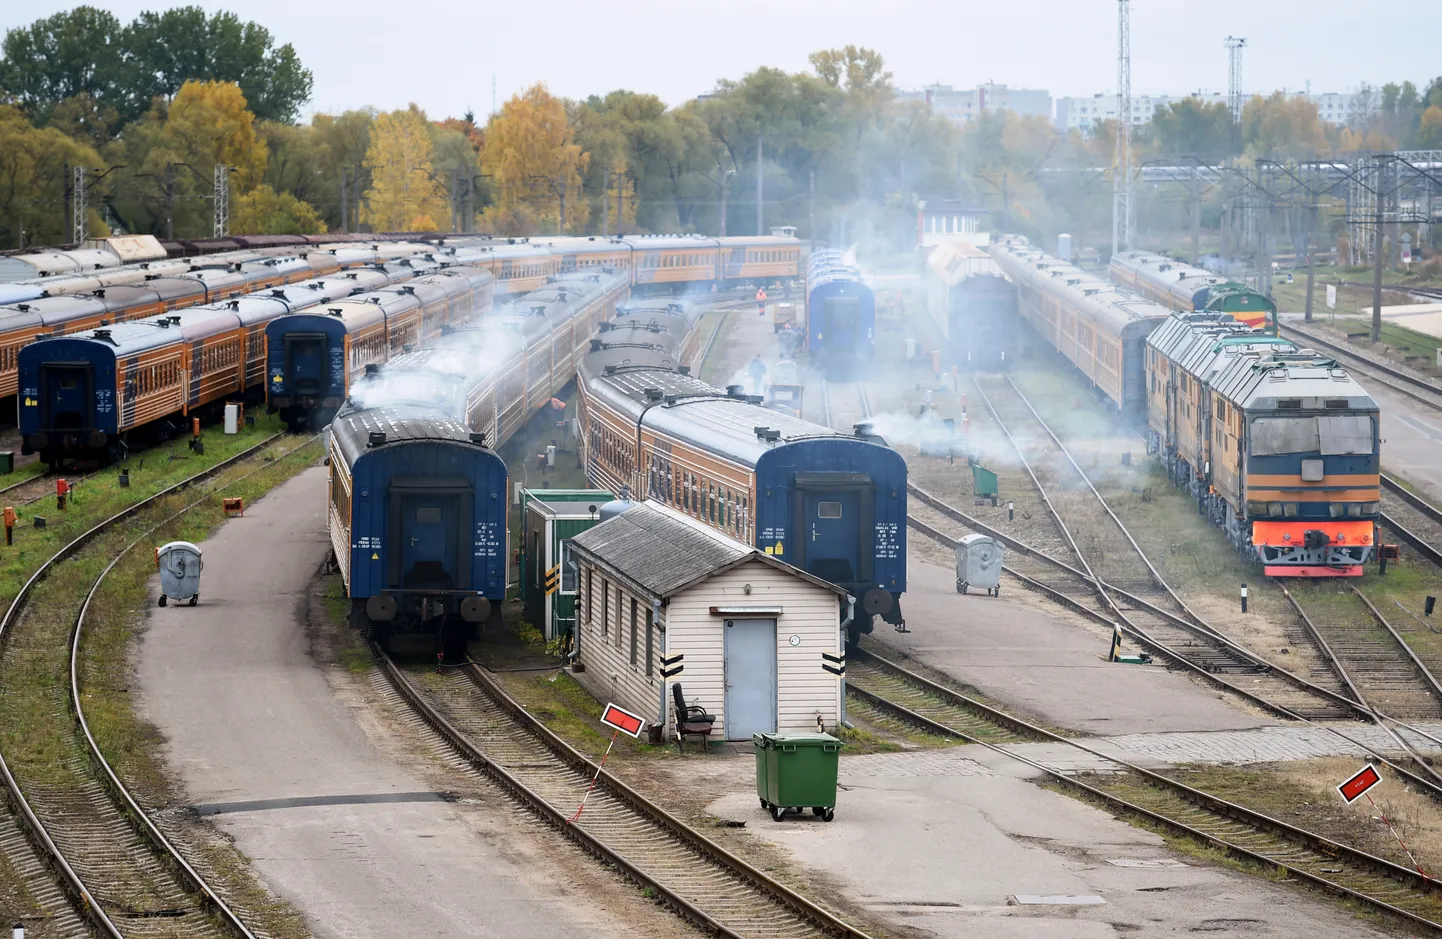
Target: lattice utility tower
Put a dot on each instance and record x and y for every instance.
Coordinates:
(1122, 173)
(222, 200)
(80, 214)
(1235, 45)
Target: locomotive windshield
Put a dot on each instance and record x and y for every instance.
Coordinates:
(1330, 435)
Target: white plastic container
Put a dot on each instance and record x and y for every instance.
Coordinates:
(232, 418)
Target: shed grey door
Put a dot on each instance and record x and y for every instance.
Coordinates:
(750, 678)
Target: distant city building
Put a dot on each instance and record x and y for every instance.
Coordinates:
(941, 220)
(962, 105)
(1084, 113)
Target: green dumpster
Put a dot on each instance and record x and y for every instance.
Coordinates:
(797, 771)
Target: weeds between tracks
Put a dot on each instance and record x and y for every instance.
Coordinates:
(38, 736)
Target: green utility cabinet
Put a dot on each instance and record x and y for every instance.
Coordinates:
(983, 484)
(550, 518)
(796, 771)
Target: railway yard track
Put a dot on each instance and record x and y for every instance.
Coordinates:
(1124, 580)
(1402, 382)
(884, 686)
(92, 861)
(1322, 686)
(844, 404)
(701, 881)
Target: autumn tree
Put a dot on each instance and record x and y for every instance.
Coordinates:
(170, 159)
(1279, 127)
(1194, 128)
(34, 185)
(263, 211)
(404, 193)
(457, 142)
(86, 51)
(535, 166)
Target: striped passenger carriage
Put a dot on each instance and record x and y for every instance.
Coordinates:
(829, 503)
(1189, 289)
(417, 520)
(1098, 327)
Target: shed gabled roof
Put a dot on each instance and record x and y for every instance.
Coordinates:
(663, 552)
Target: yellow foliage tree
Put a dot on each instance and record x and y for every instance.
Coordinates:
(1279, 127)
(1429, 129)
(32, 186)
(209, 123)
(535, 165)
(263, 211)
(404, 195)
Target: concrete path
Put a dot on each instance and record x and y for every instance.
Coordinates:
(1259, 745)
(1044, 662)
(945, 841)
(263, 743)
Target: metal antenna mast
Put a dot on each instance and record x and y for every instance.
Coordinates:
(1235, 45)
(79, 217)
(1122, 174)
(222, 201)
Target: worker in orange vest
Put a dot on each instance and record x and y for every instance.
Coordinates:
(760, 301)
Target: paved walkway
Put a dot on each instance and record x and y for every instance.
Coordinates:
(1258, 745)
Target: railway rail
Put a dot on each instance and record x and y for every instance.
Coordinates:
(700, 880)
(99, 847)
(1374, 882)
(1395, 379)
(1323, 694)
(850, 406)
(1109, 558)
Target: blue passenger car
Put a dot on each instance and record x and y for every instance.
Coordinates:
(418, 523)
(840, 315)
(832, 504)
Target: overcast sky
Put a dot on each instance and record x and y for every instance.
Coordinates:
(442, 55)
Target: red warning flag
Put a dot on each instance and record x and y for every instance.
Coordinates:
(1353, 788)
(622, 720)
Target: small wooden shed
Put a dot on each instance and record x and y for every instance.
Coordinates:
(664, 600)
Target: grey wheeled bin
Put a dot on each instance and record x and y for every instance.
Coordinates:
(180, 564)
(978, 564)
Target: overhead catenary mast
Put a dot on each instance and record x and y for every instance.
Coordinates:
(1122, 172)
(1235, 45)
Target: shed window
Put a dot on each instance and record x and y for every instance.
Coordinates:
(605, 607)
(568, 567)
(633, 630)
(650, 643)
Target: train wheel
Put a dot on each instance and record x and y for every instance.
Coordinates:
(380, 634)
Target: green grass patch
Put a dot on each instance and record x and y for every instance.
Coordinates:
(28, 471)
(101, 496)
(569, 711)
(39, 736)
